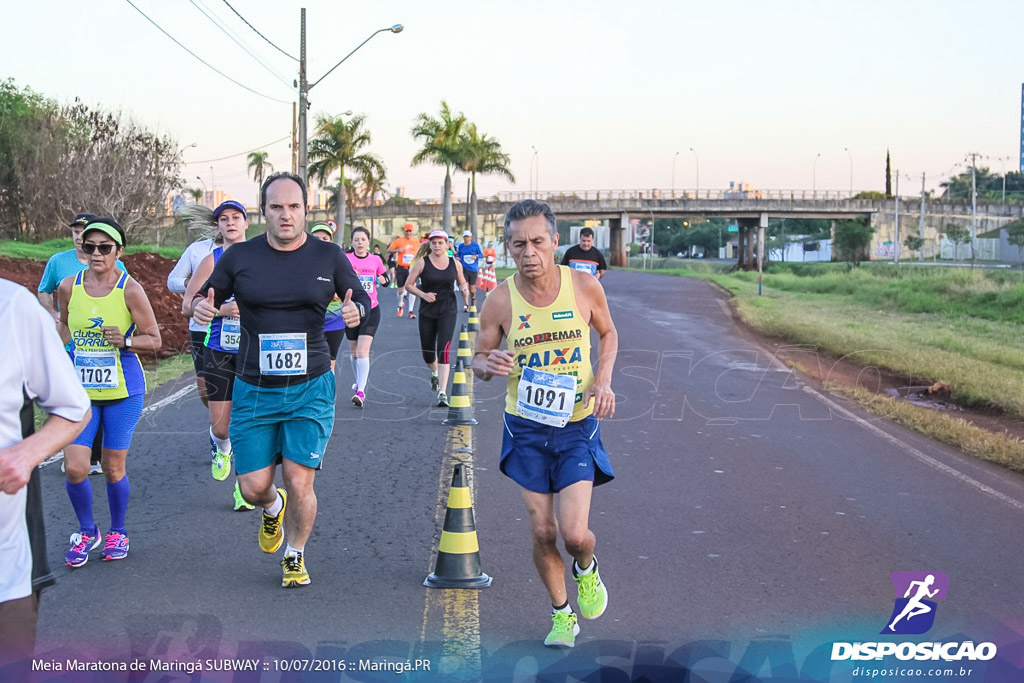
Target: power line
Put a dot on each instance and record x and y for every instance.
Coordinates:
(231, 156)
(255, 92)
(217, 23)
(257, 32)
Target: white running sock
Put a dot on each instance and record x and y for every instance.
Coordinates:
(275, 509)
(223, 445)
(362, 370)
(290, 549)
(584, 572)
(412, 302)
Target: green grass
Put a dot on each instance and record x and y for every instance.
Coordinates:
(44, 250)
(166, 370)
(926, 324)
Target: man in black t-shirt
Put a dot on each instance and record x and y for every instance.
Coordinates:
(585, 257)
(283, 398)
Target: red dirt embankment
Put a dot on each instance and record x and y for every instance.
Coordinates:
(151, 272)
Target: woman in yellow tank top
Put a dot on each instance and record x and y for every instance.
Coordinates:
(108, 317)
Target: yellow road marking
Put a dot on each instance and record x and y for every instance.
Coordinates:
(453, 615)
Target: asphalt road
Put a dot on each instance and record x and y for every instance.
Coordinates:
(753, 521)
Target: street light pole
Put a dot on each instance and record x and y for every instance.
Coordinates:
(676, 156)
(696, 159)
(814, 175)
(535, 178)
(200, 179)
(305, 86)
(851, 170)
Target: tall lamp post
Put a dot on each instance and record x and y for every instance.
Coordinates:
(674, 157)
(814, 175)
(305, 87)
(696, 160)
(200, 179)
(847, 150)
(535, 178)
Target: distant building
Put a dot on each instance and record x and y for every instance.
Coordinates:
(742, 190)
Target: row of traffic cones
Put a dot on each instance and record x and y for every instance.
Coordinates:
(458, 556)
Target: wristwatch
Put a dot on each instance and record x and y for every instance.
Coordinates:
(127, 342)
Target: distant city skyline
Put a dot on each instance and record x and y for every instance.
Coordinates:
(598, 95)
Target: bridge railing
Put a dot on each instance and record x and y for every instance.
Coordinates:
(582, 195)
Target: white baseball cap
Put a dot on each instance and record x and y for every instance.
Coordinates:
(468, 233)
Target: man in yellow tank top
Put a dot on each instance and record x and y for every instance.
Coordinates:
(551, 440)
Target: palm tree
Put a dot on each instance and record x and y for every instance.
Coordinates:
(373, 184)
(482, 154)
(260, 168)
(195, 193)
(442, 140)
(338, 145)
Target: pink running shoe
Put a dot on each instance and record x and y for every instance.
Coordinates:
(81, 545)
(116, 547)
(359, 399)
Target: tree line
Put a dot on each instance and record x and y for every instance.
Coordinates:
(57, 160)
(448, 140)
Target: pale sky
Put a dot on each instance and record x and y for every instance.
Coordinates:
(607, 92)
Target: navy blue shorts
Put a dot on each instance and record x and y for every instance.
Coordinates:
(547, 459)
(117, 419)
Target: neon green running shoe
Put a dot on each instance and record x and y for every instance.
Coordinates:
(592, 596)
(220, 467)
(564, 629)
(240, 502)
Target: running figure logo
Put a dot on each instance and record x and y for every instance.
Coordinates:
(96, 322)
(916, 592)
(524, 321)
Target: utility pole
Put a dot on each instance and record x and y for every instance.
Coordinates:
(295, 157)
(303, 98)
(920, 225)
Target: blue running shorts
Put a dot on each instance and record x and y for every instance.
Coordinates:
(271, 423)
(547, 459)
(119, 419)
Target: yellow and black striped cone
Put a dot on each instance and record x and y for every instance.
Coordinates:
(474, 321)
(458, 557)
(460, 410)
(465, 352)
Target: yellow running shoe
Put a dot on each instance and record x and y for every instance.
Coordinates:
(564, 629)
(294, 568)
(593, 596)
(272, 527)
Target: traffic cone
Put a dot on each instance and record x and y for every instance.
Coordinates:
(458, 557)
(460, 410)
(474, 321)
(465, 353)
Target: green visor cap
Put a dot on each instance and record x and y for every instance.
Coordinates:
(108, 230)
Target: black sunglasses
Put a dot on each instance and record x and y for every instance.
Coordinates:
(105, 249)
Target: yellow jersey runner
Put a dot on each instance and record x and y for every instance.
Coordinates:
(552, 365)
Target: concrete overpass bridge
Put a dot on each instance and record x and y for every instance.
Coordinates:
(750, 209)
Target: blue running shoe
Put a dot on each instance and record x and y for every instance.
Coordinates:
(81, 546)
(116, 547)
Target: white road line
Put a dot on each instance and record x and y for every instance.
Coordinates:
(169, 399)
(919, 455)
(180, 393)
